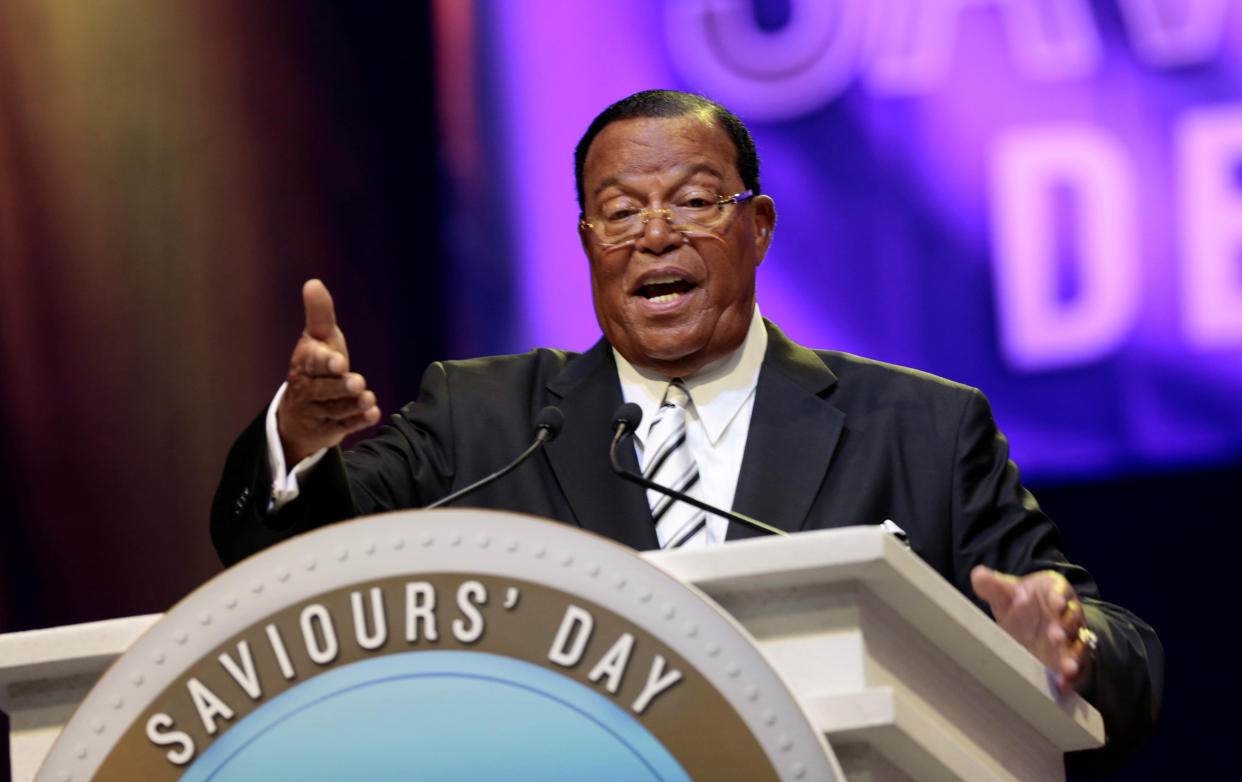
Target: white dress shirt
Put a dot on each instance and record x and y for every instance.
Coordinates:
(722, 396)
(284, 484)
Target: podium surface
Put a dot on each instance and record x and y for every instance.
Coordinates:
(904, 676)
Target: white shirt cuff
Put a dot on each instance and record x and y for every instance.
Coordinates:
(284, 485)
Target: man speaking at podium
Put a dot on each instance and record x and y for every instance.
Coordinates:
(674, 226)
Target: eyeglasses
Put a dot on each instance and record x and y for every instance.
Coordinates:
(623, 220)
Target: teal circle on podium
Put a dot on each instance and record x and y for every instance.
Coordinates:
(447, 716)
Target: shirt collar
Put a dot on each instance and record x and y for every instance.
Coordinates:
(718, 390)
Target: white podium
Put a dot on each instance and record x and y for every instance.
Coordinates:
(45, 674)
(904, 676)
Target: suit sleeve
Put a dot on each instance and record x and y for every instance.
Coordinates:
(998, 523)
(240, 523)
(406, 465)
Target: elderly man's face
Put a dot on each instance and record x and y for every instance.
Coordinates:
(671, 303)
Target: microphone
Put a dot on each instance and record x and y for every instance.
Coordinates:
(547, 426)
(624, 421)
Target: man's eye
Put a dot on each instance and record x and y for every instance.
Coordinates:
(696, 201)
(620, 213)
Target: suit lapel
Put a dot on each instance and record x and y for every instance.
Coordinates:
(793, 435)
(588, 393)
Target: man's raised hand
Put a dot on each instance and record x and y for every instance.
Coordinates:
(324, 401)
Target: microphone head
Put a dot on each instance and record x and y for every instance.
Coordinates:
(549, 422)
(627, 417)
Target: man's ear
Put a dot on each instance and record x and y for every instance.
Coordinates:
(582, 237)
(764, 222)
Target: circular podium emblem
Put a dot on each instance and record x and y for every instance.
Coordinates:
(442, 645)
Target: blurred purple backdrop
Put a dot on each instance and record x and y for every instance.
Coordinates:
(1041, 199)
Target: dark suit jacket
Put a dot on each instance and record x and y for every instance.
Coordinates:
(834, 440)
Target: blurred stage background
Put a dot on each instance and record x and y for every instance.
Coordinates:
(1042, 198)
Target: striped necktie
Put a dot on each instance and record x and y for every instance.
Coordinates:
(667, 461)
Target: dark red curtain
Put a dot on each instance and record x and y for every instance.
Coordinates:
(169, 174)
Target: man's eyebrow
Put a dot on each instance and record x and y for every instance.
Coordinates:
(604, 185)
(704, 168)
(701, 168)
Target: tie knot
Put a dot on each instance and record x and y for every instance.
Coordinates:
(676, 394)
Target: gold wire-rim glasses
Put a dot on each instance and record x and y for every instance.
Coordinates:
(680, 218)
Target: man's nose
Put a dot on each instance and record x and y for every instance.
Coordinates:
(659, 236)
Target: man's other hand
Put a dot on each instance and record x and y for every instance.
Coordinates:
(1042, 612)
(324, 401)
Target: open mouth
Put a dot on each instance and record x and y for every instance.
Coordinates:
(661, 289)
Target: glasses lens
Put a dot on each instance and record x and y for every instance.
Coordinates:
(700, 212)
(619, 221)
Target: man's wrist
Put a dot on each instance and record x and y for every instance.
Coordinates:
(285, 472)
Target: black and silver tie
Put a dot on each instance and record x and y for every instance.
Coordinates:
(667, 461)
